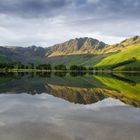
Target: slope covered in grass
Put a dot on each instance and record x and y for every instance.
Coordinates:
(85, 60)
(129, 53)
(4, 59)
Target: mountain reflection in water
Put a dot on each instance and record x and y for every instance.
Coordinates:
(81, 88)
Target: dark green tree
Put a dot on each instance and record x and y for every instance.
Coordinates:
(60, 67)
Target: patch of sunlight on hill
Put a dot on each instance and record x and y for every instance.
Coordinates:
(132, 51)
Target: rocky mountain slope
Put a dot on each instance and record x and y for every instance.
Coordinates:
(76, 46)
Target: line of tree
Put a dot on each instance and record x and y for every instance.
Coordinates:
(44, 67)
(77, 68)
(132, 60)
(47, 66)
(16, 66)
(62, 67)
(132, 69)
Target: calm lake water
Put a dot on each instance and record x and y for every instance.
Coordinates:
(69, 106)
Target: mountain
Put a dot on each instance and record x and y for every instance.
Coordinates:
(121, 56)
(34, 54)
(79, 51)
(23, 54)
(76, 46)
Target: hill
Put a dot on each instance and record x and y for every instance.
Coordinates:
(130, 49)
(122, 45)
(23, 54)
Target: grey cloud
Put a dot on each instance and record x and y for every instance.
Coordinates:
(110, 8)
(52, 21)
(33, 8)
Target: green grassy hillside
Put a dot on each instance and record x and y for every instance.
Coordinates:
(125, 55)
(4, 59)
(85, 60)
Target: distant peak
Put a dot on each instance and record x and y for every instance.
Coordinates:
(83, 45)
(84, 38)
(33, 46)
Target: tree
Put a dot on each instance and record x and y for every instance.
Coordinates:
(31, 65)
(77, 68)
(90, 68)
(44, 67)
(96, 69)
(60, 67)
(73, 68)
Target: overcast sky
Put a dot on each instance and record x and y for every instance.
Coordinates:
(47, 22)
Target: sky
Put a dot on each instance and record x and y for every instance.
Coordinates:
(48, 22)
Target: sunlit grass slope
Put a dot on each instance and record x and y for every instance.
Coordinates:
(129, 53)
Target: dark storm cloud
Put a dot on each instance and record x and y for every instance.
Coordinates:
(33, 8)
(108, 8)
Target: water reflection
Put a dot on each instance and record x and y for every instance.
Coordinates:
(79, 88)
(69, 106)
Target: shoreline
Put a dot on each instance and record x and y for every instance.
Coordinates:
(75, 71)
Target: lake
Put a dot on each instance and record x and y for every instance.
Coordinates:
(69, 106)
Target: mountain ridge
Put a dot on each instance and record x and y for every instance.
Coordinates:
(76, 46)
(79, 51)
